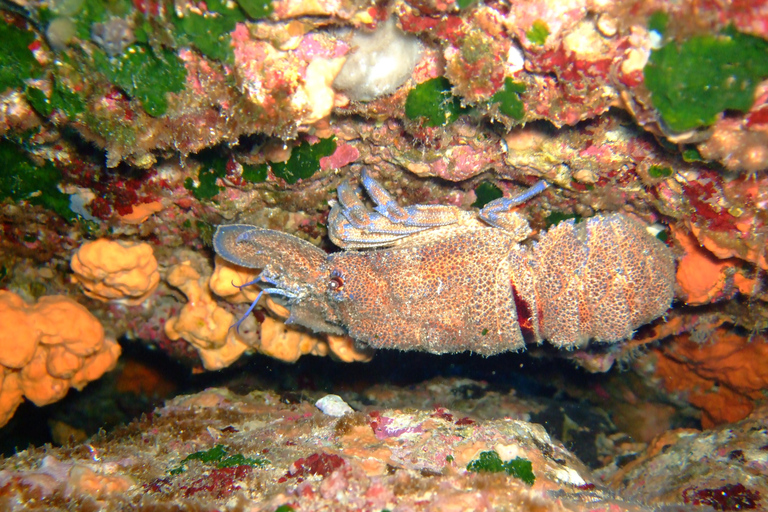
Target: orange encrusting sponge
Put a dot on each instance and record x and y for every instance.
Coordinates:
(115, 270)
(47, 348)
(202, 322)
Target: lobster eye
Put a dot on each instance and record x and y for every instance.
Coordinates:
(336, 283)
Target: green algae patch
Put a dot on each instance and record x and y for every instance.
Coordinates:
(256, 9)
(538, 33)
(463, 4)
(658, 171)
(241, 460)
(65, 100)
(39, 101)
(145, 74)
(213, 455)
(210, 32)
(214, 166)
(304, 160)
(692, 154)
(22, 180)
(61, 98)
(432, 101)
(490, 462)
(555, 218)
(255, 173)
(658, 22)
(206, 187)
(17, 62)
(70, 86)
(693, 81)
(218, 456)
(485, 193)
(205, 232)
(508, 99)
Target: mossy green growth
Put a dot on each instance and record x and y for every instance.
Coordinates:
(209, 32)
(658, 22)
(693, 81)
(17, 62)
(65, 100)
(39, 100)
(659, 171)
(218, 455)
(256, 9)
(508, 99)
(432, 101)
(212, 455)
(205, 232)
(145, 74)
(241, 460)
(214, 166)
(463, 4)
(304, 160)
(22, 180)
(486, 192)
(692, 154)
(538, 33)
(490, 462)
(70, 85)
(555, 218)
(255, 173)
(284, 508)
(61, 98)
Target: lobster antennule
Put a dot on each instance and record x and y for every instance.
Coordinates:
(283, 254)
(236, 325)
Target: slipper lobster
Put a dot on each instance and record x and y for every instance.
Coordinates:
(439, 279)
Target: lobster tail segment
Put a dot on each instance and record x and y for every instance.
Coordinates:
(599, 280)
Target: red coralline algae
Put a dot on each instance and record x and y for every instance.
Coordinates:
(219, 483)
(727, 497)
(321, 464)
(345, 154)
(442, 414)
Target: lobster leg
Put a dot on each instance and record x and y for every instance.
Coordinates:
(498, 212)
(352, 226)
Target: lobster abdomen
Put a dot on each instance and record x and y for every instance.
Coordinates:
(599, 280)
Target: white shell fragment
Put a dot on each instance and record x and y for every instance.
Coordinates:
(333, 405)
